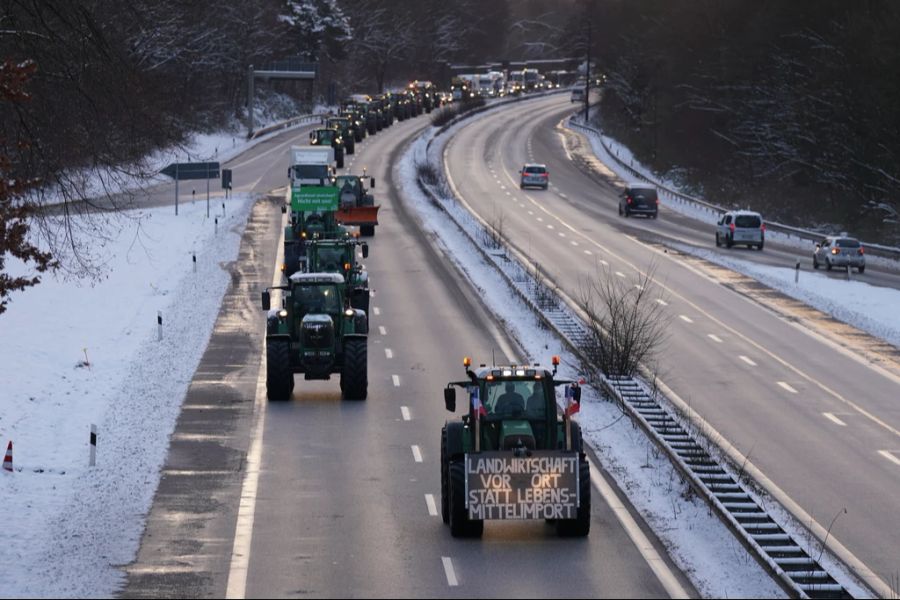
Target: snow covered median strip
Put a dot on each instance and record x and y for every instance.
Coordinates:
(89, 354)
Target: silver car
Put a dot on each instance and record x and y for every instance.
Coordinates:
(741, 227)
(837, 251)
(534, 174)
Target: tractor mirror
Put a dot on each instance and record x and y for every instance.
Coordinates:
(283, 208)
(365, 250)
(266, 300)
(450, 398)
(373, 182)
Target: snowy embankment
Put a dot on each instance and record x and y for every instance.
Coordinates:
(864, 306)
(78, 354)
(698, 542)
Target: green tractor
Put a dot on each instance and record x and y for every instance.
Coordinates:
(306, 227)
(512, 456)
(339, 256)
(316, 332)
(345, 128)
(357, 204)
(329, 137)
(357, 123)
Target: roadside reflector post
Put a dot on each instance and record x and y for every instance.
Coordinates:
(797, 272)
(217, 226)
(849, 269)
(93, 445)
(194, 260)
(159, 324)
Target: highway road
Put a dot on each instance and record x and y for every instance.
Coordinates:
(811, 402)
(341, 498)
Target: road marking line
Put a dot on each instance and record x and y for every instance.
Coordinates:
(834, 419)
(376, 310)
(685, 318)
(404, 410)
(659, 567)
(604, 263)
(531, 212)
(588, 252)
(382, 330)
(417, 454)
(396, 380)
(563, 196)
(787, 387)
(561, 234)
(890, 456)
(747, 360)
(620, 274)
(663, 302)
(574, 243)
(549, 226)
(540, 219)
(388, 353)
(432, 507)
(449, 572)
(714, 337)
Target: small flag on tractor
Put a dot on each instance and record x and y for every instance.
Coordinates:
(476, 401)
(572, 405)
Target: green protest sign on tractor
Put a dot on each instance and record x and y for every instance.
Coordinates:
(314, 198)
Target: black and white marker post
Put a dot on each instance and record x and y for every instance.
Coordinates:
(93, 445)
(194, 259)
(797, 272)
(159, 324)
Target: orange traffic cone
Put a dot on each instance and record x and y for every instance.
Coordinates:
(7, 460)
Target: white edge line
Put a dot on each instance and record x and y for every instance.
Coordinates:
(889, 455)
(417, 453)
(659, 567)
(449, 572)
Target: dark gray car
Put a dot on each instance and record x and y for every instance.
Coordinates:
(639, 199)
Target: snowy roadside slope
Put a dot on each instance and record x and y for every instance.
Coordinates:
(700, 545)
(68, 526)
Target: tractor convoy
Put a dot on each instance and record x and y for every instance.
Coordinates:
(511, 456)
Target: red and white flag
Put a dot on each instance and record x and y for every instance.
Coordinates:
(476, 401)
(572, 405)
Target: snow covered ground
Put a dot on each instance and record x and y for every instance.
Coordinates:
(82, 354)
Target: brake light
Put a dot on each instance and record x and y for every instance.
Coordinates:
(731, 227)
(835, 251)
(628, 199)
(763, 227)
(545, 174)
(861, 250)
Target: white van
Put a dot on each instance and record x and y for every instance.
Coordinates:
(577, 94)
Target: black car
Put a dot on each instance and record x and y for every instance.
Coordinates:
(639, 199)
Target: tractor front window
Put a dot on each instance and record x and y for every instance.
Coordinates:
(318, 299)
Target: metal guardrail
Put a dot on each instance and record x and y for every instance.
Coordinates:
(285, 124)
(803, 234)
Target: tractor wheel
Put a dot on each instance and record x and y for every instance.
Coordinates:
(460, 523)
(581, 525)
(354, 374)
(445, 478)
(358, 136)
(279, 376)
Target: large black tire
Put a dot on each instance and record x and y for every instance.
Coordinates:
(279, 376)
(445, 478)
(355, 372)
(358, 135)
(367, 230)
(581, 525)
(718, 241)
(460, 523)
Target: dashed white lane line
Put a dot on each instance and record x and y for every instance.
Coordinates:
(449, 572)
(549, 226)
(714, 338)
(531, 212)
(396, 380)
(404, 410)
(563, 196)
(833, 419)
(890, 456)
(376, 310)
(574, 243)
(620, 274)
(432, 507)
(382, 330)
(540, 219)
(603, 262)
(588, 252)
(662, 302)
(561, 234)
(417, 454)
(685, 318)
(747, 360)
(388, 353)
(787, 386)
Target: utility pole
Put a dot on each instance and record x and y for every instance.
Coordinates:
(587, 78)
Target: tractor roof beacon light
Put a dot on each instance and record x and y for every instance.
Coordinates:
(555, 362)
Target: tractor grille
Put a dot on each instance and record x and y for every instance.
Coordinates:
(317, 335)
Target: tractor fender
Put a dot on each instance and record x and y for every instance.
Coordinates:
(456, 433)
(360, 323)
(281, 337)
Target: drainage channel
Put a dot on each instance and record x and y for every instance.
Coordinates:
(786, 559)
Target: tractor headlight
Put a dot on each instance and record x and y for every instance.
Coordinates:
(348, 312)
(282, 314)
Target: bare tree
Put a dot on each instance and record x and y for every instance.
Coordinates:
(626, 324)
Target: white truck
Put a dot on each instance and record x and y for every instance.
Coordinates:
(311, 165)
